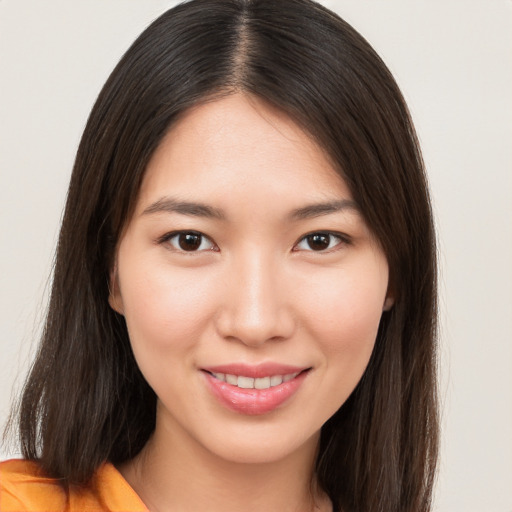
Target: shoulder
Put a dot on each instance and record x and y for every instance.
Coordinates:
(24, 487)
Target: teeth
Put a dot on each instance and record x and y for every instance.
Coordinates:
(275, 380)
(263, 383)
(232, 379)
(244, 382)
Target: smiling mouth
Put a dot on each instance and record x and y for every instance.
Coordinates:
(244, 382)
(254, 389)
(260, 392)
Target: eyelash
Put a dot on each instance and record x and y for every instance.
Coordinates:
(342, 240)
(169, 236)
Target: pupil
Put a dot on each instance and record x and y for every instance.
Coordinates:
(318, 241)
(189, 241)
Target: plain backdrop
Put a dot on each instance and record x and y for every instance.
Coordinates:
(453, 61)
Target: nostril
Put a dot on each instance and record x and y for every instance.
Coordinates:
(252, 331)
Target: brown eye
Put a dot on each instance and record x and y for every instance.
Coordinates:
(319, 242)
(190, 241)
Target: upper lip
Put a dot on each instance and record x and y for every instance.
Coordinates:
(256, 371)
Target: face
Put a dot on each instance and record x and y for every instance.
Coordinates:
(251, 286)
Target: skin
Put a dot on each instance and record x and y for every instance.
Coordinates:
(255, 291)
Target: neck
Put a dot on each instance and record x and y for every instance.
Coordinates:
(176, 473)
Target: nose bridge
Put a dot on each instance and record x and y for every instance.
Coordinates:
(256, 307)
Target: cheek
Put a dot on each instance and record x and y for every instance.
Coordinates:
(166, 309)
(166, 313)
(343, 316)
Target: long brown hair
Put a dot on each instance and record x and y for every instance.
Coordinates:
(86, 401)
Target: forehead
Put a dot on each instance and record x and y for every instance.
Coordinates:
(240, 147)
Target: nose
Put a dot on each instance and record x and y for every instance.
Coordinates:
(256, 304)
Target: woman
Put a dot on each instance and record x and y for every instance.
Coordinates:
(243, 309)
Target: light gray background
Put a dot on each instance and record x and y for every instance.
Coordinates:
(452, 59)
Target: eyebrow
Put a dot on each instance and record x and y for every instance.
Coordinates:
(172, 205)
(195, 209)
(319, 209)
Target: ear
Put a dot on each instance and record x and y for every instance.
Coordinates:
(115, 299)
(389, 301)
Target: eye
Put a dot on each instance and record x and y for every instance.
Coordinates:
(319, 242)
(189, 241)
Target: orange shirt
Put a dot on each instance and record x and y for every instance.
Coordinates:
(24, 489)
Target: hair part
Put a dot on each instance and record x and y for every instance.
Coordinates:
(86, 401)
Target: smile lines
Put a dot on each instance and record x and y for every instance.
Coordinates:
(244, 382)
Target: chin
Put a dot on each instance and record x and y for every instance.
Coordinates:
(262, 448)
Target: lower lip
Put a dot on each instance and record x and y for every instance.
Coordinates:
(253, 401)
